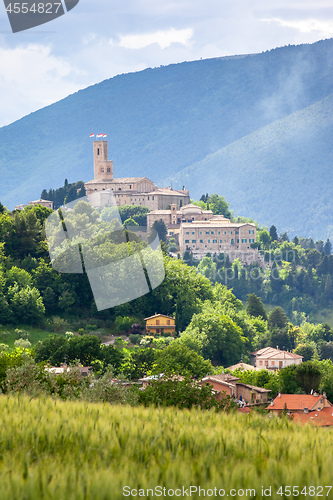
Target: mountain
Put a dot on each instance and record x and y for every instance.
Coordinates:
(168, 122)
(282, 171)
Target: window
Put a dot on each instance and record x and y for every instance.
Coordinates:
(225, 232)
(157, 322)
(221, 241)
(212, 232)
(208, 241)
(237, 240)
(97, 151)
(193, 232)
(194, 241)
(251, 231)
(130, 187)
(214, 241)
(232, 241)
(251, 240)
(207, 232)
(108, 169)
(187, 232)
(187, 241)
(168, 322)
(230, 232)
(200, 232)
(244, 240)
(201, 241)
(219, 232)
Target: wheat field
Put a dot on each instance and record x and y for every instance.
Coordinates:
(51, 449)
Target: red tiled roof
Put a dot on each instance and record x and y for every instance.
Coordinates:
(271, 353)
(320, 418)
(157, 315)
(294, 402)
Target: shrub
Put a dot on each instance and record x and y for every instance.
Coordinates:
(59, 324)
(23, 343)
(134, 338)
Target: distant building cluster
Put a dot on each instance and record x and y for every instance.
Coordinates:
(43, 203)
(196, 230)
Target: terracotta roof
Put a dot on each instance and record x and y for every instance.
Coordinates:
(157, 315)
(254, 387)
(294, 402)
(212, 378)
(242, 366)
(271, 353)
(320, 418)
(215, 223)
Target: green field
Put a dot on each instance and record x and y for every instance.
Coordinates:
(51, 449)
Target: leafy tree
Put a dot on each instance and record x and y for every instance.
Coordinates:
(183, 394)
(26, 304)
(305, 350)
(219, 205)
(288, 383)
(220, 338)
(255, 307)
(277, 318)
(179, 359)
(308, 375)
(161, 229)
(138, 363)
(264, 238)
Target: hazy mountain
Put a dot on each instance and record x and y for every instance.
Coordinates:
(281, 174)
(161, 121)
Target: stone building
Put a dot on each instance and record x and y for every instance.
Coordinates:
(174, 217)
(128, 190)
(219, 235)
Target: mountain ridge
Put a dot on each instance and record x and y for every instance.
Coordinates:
(161, 121)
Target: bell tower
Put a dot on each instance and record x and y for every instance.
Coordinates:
(103, 168)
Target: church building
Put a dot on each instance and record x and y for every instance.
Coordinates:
(129, 190)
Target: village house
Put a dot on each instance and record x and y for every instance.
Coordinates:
(128, 190)
(64, 368)
(248, 394)
(160, 323)
(299, 403)
(274, 359)
(145, 381)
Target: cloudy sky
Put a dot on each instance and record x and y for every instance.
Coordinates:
(102, 38)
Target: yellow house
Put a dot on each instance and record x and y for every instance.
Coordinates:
(159, 323)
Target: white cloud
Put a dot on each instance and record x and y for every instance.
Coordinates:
(163, 38)
(31, 78)
(323, 28)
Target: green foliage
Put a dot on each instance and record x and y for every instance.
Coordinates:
(255, 307)
(65, 194)
(218, 336)
(186, 393)
(181, 360)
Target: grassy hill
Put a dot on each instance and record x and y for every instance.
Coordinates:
(75, 450)
(160, 121)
